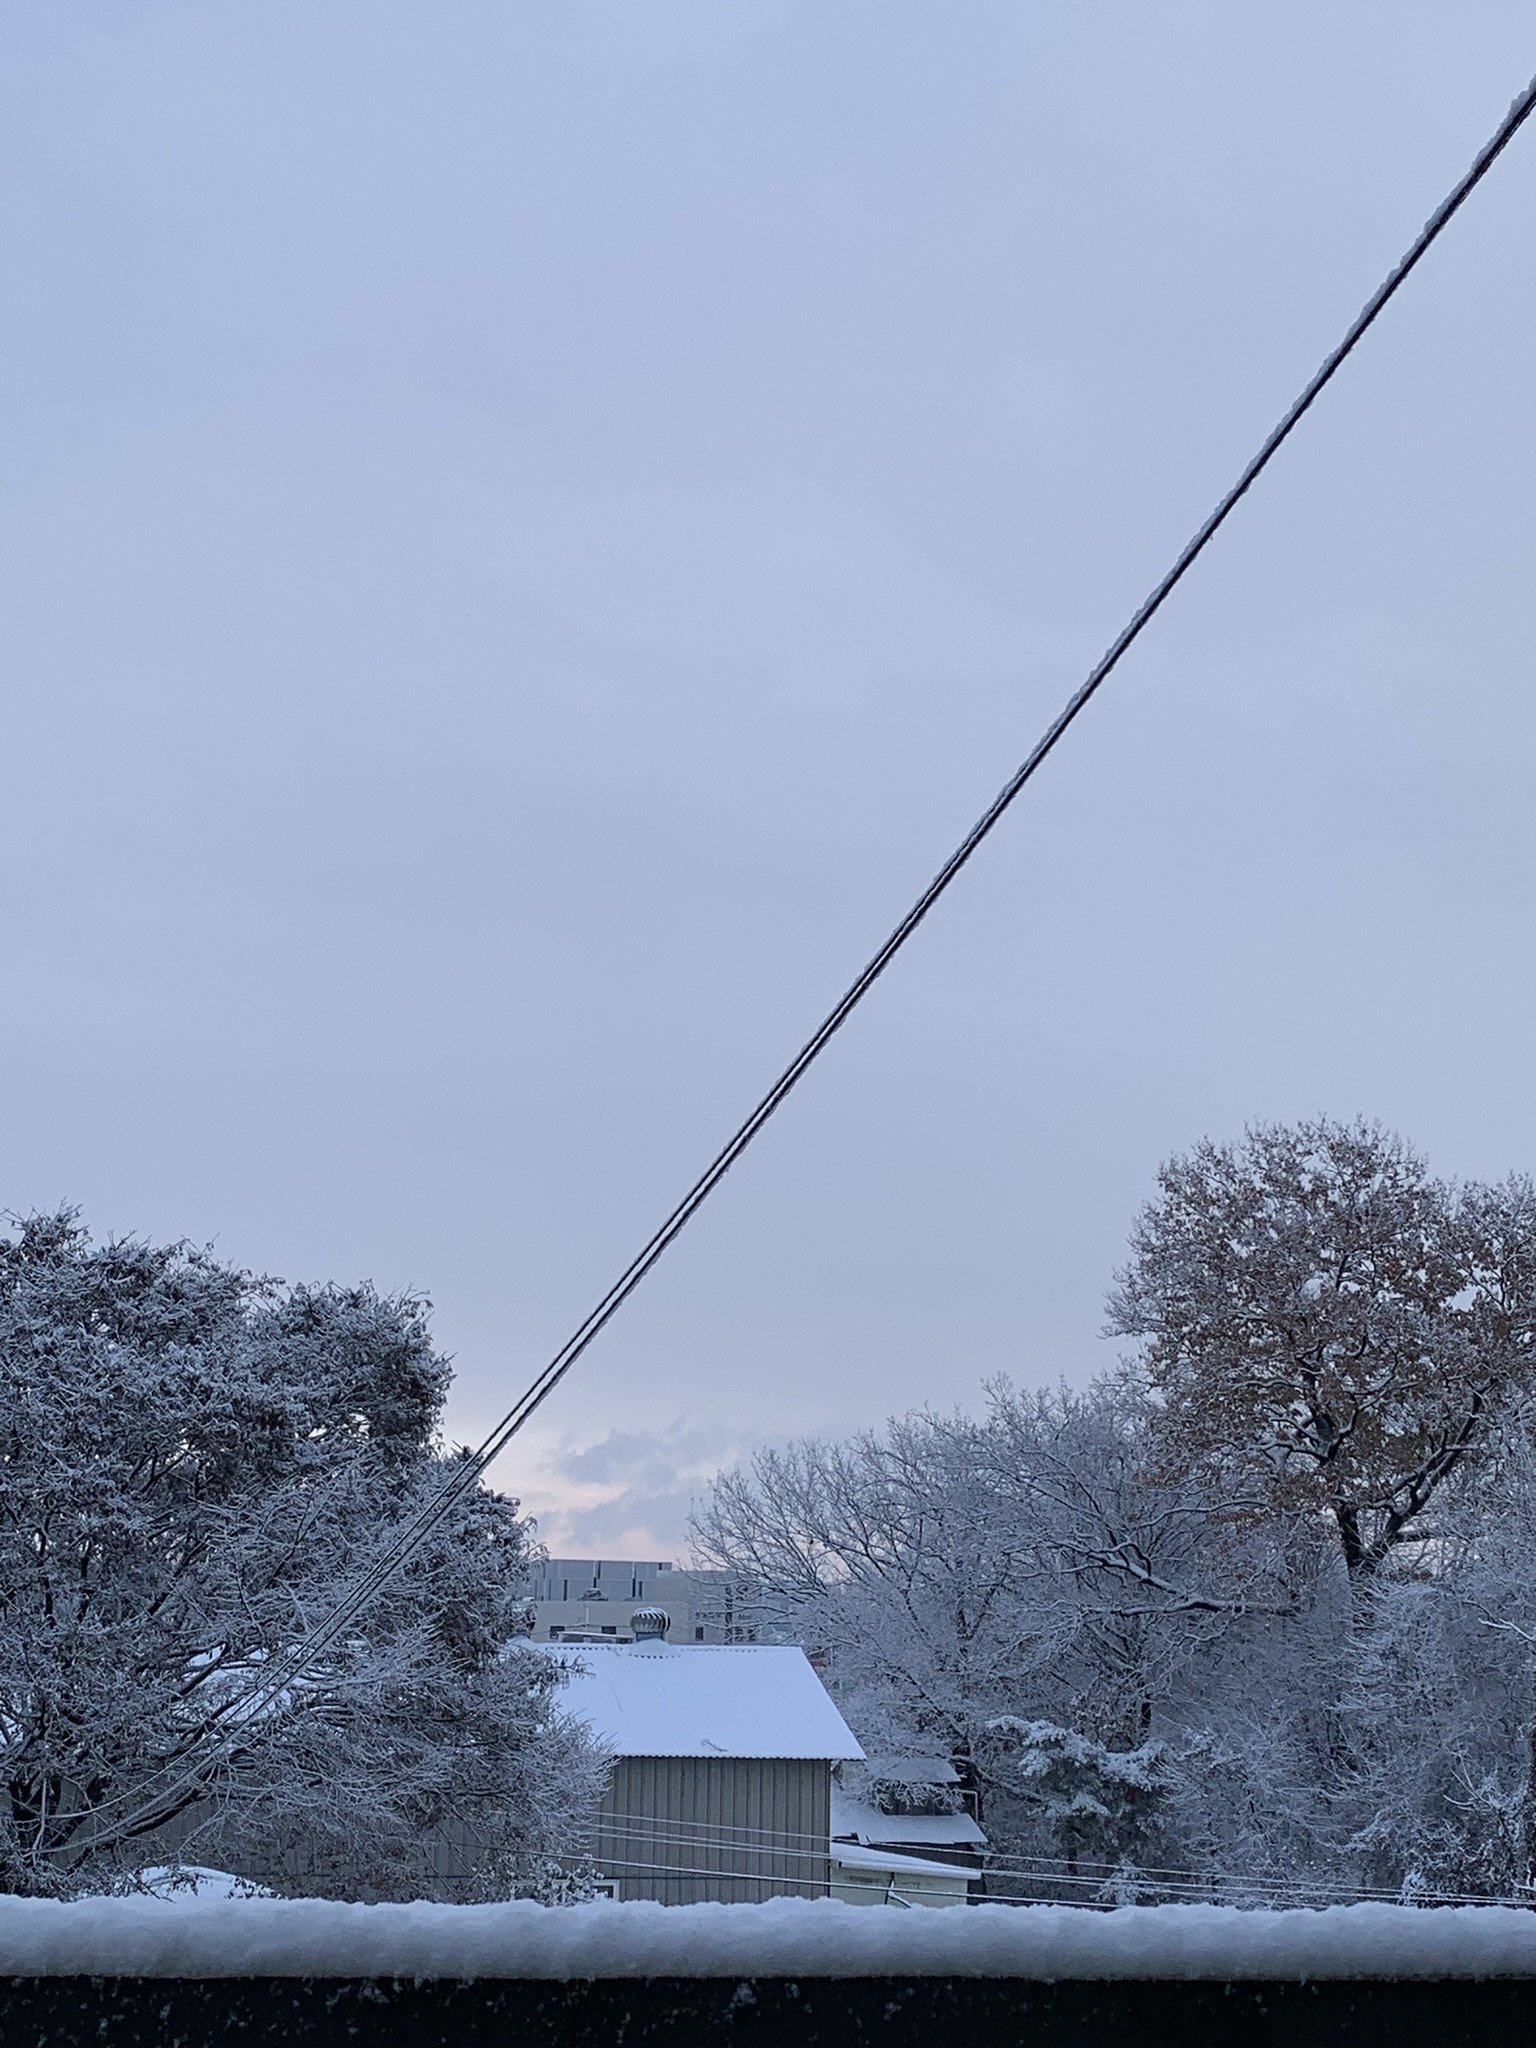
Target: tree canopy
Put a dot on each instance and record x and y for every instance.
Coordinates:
(193, 1461)
(1322, 1314)
(1253, 1615)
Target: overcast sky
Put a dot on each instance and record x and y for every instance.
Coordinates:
(530, 531)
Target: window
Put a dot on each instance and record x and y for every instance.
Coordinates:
(698, 1635)
(610, 1628)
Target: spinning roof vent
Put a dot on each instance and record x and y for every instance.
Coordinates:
(650, 1624)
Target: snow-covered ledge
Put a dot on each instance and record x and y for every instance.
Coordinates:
(139, 1937)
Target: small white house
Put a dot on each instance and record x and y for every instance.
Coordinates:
(723, 1757)
(903, 1837)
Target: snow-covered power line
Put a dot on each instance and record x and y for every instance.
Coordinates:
(286, 1670)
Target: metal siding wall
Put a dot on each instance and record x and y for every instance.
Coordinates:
(683, 1829)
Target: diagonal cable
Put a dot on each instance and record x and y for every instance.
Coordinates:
(285, 1670)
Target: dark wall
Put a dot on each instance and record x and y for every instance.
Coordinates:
(921, 2012)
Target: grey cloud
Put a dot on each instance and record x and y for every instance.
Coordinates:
(630, 1491)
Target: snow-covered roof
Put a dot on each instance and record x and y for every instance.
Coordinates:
(855, 1820)
(852, 1858)
(736, 1700)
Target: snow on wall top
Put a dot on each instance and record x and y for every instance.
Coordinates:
(658, 1699)
(143, 1937)
(851, 1857)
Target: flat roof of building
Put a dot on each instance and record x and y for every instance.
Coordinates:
(856, 1820)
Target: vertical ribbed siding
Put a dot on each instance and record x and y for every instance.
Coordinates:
(738, 1829)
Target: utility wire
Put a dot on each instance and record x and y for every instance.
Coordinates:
(705, 1838)
(284, 1671)
(662, 1832)
(665, 1837)
(1291, 1897)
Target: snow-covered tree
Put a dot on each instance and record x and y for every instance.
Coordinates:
(964, 1580)
(1440, 1699)
(1253, 1618)
(1093, 1809)
(192, 1463)
(1323, 1319)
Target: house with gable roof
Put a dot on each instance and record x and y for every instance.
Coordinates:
(723, 1756)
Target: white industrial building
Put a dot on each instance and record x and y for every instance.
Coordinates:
(589, 1599)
